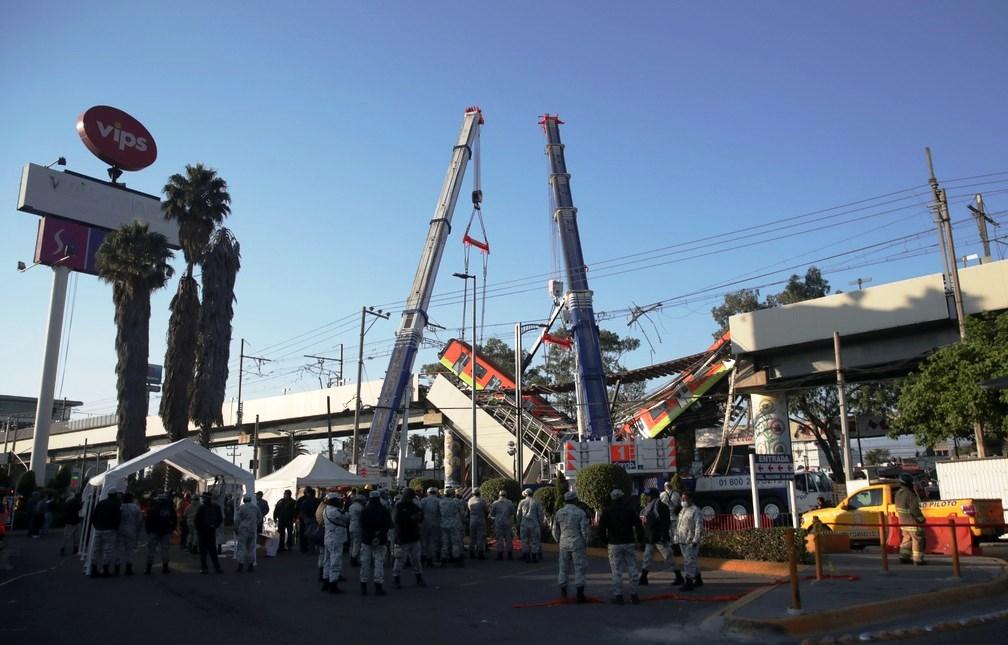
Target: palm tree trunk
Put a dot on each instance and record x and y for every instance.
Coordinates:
(180, 357)
(132, 319)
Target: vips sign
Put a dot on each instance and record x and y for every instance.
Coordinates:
(116, 138)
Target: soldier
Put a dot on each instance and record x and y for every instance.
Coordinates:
(130, 526)
(571, 531)
(431, 507)
(621, 530)
(911, 519)
(689, 533)
(161, 523)
(531, 517)
(477, 526)
(451, 528)
(355, 510)
(375, 524)
(407, 517)
(502, 513)
(247, 519)
(672, 499)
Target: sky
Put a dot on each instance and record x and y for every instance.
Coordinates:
(712, 146)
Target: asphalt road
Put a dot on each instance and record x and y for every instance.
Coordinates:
(46, 600)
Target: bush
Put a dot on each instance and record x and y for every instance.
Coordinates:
(491, 487)
(547, 497)
(422, 483)
(594, 483)
(26, 484)
(61, 481)
(753, 544)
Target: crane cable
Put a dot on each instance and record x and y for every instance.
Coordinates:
(468, 242)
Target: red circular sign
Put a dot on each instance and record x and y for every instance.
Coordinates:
(116, 138)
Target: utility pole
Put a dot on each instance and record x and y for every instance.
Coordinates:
(241, 374)
(321, 365)
(982, 220)
(377, 313)
(328, 418)
(951, 272)
(841, 396)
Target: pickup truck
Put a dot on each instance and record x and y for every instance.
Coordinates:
(866, 505)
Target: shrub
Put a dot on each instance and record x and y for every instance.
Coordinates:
(61, 481)
(594, 483)
(547, 497)
(491, 487)
(767, 544)
(423, 483)
(26, 484)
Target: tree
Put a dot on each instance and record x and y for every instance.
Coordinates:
(595, 482)
(135, 262)
(220, 268)
(737, 302)
(877, 456)
(198, 201)
(418, 445)
(814, 285)
(282, 454)
(944, 397)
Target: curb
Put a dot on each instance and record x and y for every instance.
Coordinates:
(855, 615)
(752, 567)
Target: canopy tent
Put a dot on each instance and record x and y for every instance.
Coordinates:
(306, 470)
(185, 455)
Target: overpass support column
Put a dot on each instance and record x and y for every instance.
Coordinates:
(452, 459)
(771, 427)
(264, 460)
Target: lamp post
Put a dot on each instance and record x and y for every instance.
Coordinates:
(520, 330)
(472, 370)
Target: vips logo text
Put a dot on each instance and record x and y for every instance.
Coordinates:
(116, 138)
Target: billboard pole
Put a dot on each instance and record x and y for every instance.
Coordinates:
(50, 363)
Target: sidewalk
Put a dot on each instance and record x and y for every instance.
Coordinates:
(855, 592)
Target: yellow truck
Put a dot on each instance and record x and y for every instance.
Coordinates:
(860, 513)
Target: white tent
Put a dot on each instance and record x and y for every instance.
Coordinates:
(185, 455)
(306, 470)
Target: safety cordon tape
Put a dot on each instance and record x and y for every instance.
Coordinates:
(558, 602)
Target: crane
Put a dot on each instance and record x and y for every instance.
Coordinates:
(593, 416)
(414, 316)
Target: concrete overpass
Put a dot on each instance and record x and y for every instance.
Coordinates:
(303, 413)
(885, 331)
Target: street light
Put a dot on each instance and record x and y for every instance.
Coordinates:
(472, 370)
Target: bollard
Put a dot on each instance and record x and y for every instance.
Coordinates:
(818, 556)
(789, 535)
(883, 540)
(955, 548)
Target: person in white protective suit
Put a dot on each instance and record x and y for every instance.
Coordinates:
(335, 522)
(247, 519)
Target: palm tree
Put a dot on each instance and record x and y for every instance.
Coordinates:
(418, 444)
(198, 201)
(221, 263)
(135, 261)
(282, 454)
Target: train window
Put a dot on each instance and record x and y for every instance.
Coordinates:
(656, 411)
(480, 371)
(494, 383)
(460, 364)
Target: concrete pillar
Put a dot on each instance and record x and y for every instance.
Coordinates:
(451, 461)
(771, 427)
(264, 457)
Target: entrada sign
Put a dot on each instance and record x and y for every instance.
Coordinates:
(116, 138)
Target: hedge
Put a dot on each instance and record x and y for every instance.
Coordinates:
(491, 487)
(767, 544)
(423, 483)
(595, 482)
(547, 497)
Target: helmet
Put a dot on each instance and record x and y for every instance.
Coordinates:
(616, 493)
(432, 491)
(502, 493)
(906, 479)
(527, 492)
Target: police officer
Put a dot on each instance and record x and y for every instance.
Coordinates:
(431, 529)
(571, 531)
(531, 517)
(502, 513)
(911, 520)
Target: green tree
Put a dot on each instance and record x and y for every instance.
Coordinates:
(595, 482)
(492, 487)
(737, 302)
(546, 496)
(944, 398)
(220, 269)
(135, 262)
(877, 456)
(797, 289)
(198, 201)
(282, 454)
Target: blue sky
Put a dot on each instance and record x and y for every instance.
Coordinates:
(333, 125)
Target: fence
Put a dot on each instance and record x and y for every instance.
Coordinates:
(729, 522)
